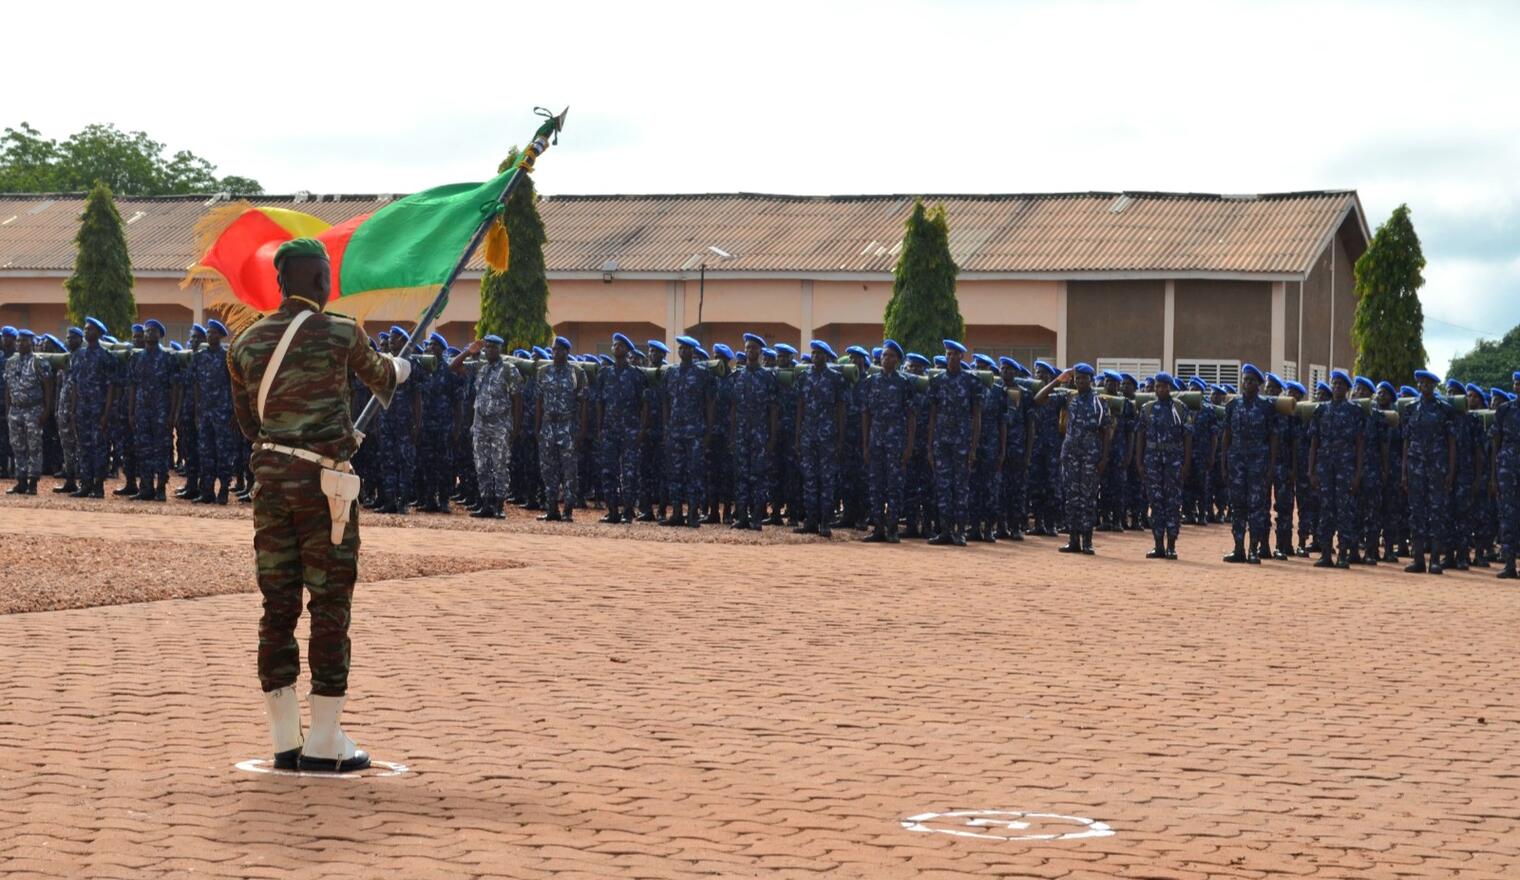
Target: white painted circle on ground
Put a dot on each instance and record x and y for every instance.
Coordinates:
(375, 770)
(1007, 825)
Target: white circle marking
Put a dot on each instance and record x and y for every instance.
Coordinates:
(384, 768)
(1007, 820)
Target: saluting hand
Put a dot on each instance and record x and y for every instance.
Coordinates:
(475, 347)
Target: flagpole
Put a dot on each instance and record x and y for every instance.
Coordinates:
(536, 148)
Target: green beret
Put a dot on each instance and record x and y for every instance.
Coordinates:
(299, 247)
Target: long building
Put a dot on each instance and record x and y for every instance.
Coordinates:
(1197, 283)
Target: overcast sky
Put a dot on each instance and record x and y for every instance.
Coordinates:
(1404, 102)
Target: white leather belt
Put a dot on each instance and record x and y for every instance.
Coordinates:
(306, 455)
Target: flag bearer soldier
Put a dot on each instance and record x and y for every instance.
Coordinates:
(1164, 448)
(1429, 471)
(955, 414)
(1248, 459)
(755, 426)
(28, 403)
(1336, 455)
(622, 420)
(889, 428)
(296, 413)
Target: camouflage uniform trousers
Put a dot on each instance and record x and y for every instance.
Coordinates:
(1015, 491)
(1338, 514)
(1136, 493)
(819, 457)
(1111, 491)
(1249, 494)
(720, 469)
(1079, 483)
(685, 468)
(187, 443)
(91, 439)
(293, 550)
(588, 455)
(621, 454)
(1163, 488)
(153, 440)
(218, 440)
(652, 468)
(492, 442)
(557, 460)
(886, 477)
(1429, 501)
(752, 472)
(986, 484)
(1041, 482)
(1283, 496)
(68, 440)
(398, 463)
(1508, 503)
(1370, 505)
(25, 427)
(952, 482)
(119, 433)
(435, 464)
(1308, 501)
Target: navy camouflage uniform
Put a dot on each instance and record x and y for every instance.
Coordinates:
(755, 391)
(491, 431)
(622, 402)
(1044, 466)
(820, 393)
(1428, 426)
(1166, 427)
(688, 390)
(956, 398)
(561, 388)
(216, 431)
(92, 371)
(720, 455)
(24, 388)
(652, 450)
(1087, 417)
(1505, 433)
(1335, 429)
(1115, 478)
(1015, 475)
(152, 377)
(987, 479)
(440, 390)
(398, 454)
(1372, 501)
(1249, 425)
(889, 399)
(1286, 428)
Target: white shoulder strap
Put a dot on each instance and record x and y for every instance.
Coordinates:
(279, 358)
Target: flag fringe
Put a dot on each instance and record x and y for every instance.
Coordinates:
(207, 230)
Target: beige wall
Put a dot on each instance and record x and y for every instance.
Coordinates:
(1333, 266)
(1227, 320)
(1116, 319)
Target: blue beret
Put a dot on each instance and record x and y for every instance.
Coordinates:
(723, 351)
(541, 351)
(383, 334)
(109, 338)
(137, 328)
(918, 358)
(516, 352)
(1322, 386)
(892, 345)
(1222, 389)
(820, 345)
(1515, 377)
(985, 361)
(782, 346)
(562, 342)
(1020, 367)
(1110, 374)
(952, 345)
(218, 326)
(174, 344)
(807, 358)
(1128, 377)
(492, 337)
(25, 333)
(606, 360)
(8, 330)
(1483, 395)
(1497, 392)
(941, 361)
(1229, 389)
(1176, 384)
(688, 340)
(404, 335)
(619, 337)
(1197, 382)
(53, 339)
(1388, 387)
(1043, 364)
(155, 324)
(1341, 375)
(768, 352)
(1407, 391)
(1297, 387)
(438, 338)
(756, 338)
(196, 328)
(1163, 377)
(1252, 370)
(657, 345)
(75, 331)
(876, 351)
(1006, 361)
(1085, 369)
(1455, 383)
(1365, 382)
(702, 354)
(741, 357)
(451, 350)
(860, 350)
(1426, 374)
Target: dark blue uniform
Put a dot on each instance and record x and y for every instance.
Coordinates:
(152, 378)
(987, 478)
(1336, 429)
(1429, 426)
(888, 399)
(1015, 476)
(688, 389)
(215, 431)
(1087, 418)
(821, 392)
(622, 402)
(94, 372)
(956, 398)
(755, 393)
(1248, 422)
(1166, 427)
(1505, 431)
(440, 392)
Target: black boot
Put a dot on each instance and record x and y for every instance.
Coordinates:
(1507, 573)
(877, 535)
(672, 518)
(958, 536)
(1417, 566)
(160, 485)
(1087, 548)
(19, 488)
(892, 532)
(68, 488)
(486, 510)
(1345, 558)
(1284, 547)
(1171, 547)
(1073, 544)
(567, 514)
(613, 517)
(943, 537)
(1159, 552)
(1239, 554)
(552, 514)
(191, 491)
(1435, 560)
(128, 488)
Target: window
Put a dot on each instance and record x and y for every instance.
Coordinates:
(1317, 374)
(1025, 355)
(1137, 367)
(1210, 370)
(1290, 371)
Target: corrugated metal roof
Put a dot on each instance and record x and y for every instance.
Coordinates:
(1031, 233)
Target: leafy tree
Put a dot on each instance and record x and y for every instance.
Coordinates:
(1491, 362)
(515, 304)
(130, 163)
(923, 309)
(1388, 330)
(101, 285)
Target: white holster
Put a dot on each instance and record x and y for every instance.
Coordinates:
(342, 490)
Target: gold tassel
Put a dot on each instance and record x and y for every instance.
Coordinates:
(498, 249)
(207, 230)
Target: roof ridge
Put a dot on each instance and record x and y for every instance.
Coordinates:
(316, 197)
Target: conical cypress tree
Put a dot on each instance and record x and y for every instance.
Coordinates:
(1389, 328)
(923, 310)
(101, 285)
(515, 304)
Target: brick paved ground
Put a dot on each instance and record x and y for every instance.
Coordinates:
(642, 708)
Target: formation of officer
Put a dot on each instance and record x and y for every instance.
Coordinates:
(950, 448)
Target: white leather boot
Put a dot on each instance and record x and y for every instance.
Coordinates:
(284, 711)
(328, 748)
